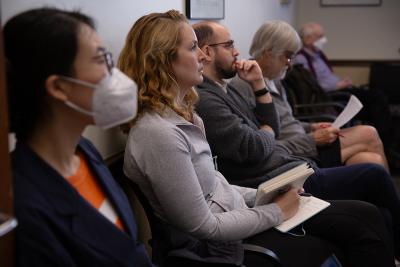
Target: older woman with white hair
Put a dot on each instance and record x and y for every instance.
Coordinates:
(273, 47)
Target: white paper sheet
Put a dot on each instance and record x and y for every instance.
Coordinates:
(352, 108)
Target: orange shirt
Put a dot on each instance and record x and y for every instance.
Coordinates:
(89, 188)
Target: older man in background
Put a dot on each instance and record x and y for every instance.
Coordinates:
(311, 56)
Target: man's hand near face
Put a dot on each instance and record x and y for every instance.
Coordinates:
(250, 71)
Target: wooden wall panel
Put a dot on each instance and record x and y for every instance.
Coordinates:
(6, 206)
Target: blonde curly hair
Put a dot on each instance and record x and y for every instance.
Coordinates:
(150, 49)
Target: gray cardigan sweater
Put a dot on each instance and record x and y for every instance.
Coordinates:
(232, 127)
(170, 159)
(293, 134)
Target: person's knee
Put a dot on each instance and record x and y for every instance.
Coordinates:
(378, 169)
(360, 215)
(372, 158)
(376, 177)
(369, 135)
(366, 210)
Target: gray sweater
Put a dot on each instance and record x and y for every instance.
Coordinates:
(293, 134)
(170, 159)
(232, 126)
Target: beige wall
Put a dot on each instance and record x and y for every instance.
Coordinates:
(359, 75)
(356, 32)
(114, 19)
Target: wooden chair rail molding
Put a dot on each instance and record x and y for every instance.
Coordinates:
(6, 204)
(360, 62)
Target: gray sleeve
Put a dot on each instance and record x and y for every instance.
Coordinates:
(249, 194)
(306, 126)
(165, 160)
(228, 134)
(301, 144)
(265, 112)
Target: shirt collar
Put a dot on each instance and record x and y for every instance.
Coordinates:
(222, 85)
(174, 118)
(271, 85)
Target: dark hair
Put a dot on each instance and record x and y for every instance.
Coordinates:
(38, 43)
(204, 32)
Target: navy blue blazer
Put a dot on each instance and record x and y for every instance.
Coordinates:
(57, 227)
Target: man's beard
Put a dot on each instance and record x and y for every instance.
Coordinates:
(224, 73)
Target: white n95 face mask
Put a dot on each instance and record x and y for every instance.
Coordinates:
(114, 99)
(321, 42)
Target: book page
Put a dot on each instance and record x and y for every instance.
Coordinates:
(352, 108)
(309, 206)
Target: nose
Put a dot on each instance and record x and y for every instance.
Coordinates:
(200, 55)
(235, 52)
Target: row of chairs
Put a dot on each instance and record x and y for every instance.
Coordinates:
(308, 100)
(311, 103)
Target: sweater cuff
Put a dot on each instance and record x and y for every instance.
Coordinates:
(306, 126)
(266, 114)
(278, 212)
(310, 136)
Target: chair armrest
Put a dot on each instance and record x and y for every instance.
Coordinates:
(321, 104)
(339, 95)
(269, 254)
(7, 224)
(316, 118)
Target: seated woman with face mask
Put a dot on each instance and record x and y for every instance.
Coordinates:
(70, 210)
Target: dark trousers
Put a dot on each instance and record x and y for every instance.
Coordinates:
(367, 182)
(329, 155)
(352, 230)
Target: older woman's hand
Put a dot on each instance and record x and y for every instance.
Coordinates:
(325, 135)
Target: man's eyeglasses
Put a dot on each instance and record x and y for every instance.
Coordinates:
(228, 44)
(289, 56)
(108, 59)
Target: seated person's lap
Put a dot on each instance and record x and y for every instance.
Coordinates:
(335, 227)
(330, 155)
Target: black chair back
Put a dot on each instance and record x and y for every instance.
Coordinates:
(385, 77)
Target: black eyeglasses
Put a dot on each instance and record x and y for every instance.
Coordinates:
(228, 44)
(108, 59)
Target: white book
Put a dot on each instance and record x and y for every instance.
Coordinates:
(309, 206)
(293, 178)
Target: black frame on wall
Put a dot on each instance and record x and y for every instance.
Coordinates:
(205, 9)
(344, 3)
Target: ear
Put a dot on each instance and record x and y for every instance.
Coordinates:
(207, 52)
(267, 55)
(56, 87)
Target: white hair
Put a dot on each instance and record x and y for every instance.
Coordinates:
(276, 37)
(309, 29)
